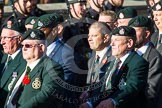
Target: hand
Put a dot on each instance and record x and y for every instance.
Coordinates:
(84, 96)
(84, 105)
(106, 104)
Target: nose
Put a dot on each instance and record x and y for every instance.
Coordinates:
(2, 41)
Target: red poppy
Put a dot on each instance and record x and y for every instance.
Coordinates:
(104, 61)
(26, 80)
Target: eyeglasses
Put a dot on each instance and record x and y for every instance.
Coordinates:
(29, 45)
(8, 37)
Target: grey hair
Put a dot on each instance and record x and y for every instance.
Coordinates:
(102, 27)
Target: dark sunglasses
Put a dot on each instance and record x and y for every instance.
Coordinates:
(29, 45)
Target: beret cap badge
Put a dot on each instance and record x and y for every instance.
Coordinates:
(158, 7)
(32, 35)
(32, 21)
(121, 15)
(122, 31)
(40, 24)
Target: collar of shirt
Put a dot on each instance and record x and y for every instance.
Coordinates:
(102, 53)
(32, 65)
(51, 47)
(15, 54)
(124, 58)
(143, 49)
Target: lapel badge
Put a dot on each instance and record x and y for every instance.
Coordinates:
(32, 35)
(40, 24)
(36, 83)
(122, 83)
(121, 32)
(121, 15)
(158, 7)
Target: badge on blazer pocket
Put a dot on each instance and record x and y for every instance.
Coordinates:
(36, 84)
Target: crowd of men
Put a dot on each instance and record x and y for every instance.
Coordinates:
(103, 56)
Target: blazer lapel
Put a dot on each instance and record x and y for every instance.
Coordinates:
(12, 67)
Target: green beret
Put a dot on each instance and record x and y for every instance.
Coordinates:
(127, 12)
(140, 21)
(48, 20)
(31, 20)
(14, 25)
(157, 6)
(124, 31)
(34, 34)
(76, 1)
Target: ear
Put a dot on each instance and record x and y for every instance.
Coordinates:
(60, 28)
(107, 38)
(43, 48)
(130, 43)
(147, 34)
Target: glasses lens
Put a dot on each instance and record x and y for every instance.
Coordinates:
(27, 46)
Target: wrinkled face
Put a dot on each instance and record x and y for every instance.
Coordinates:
(140, 36)
(78, 10)
(96, 39)
(10, 41)
(158, 18)
(120, 45)
(25, 6)
(123, 22)
(108, 20)
(32, 50)
(117, 3)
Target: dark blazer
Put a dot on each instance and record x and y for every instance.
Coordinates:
(99, 74)
(154, 39)
(128, 84)
(16, 66)
(47, 72)
(154, 88)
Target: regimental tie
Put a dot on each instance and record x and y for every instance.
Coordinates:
(9, 59)
(95, 69)
(159, 40)
(113, 71)
(20, 89)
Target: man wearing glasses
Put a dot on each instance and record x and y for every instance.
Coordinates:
(36, 86)
(12, 61)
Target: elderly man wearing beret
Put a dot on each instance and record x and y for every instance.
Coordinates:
(12, 61)
(36, 86)
(126, 76)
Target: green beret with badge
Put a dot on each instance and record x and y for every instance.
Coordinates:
(142, 21)
(157, 6)
(31, 20)
(124, 31)
(34, 34)
(48, 20)
(127, 12)
(76, 1)
(14, 25)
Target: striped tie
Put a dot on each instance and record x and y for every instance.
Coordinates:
(112, 71)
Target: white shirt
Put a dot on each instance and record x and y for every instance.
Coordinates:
(102, 53)
(16, 87)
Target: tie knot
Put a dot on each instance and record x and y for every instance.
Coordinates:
(9, 58)
(97, 59)
(27, 70)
